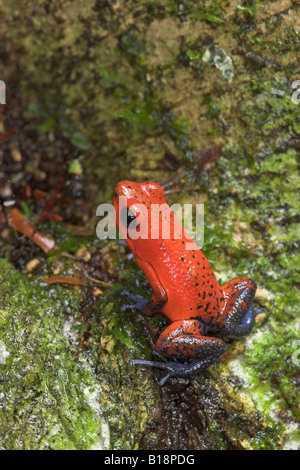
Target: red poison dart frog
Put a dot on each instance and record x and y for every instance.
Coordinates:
(184, 286)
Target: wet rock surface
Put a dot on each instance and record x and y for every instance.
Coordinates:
(123, 91)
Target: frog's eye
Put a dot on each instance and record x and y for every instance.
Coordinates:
(130, 217)
(127, 217)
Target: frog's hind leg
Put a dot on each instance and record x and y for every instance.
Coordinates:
(182, 341)
(238, 315)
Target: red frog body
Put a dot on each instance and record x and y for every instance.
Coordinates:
(184, 285)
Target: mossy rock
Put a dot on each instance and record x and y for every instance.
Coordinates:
(51, 396)
(138, 101)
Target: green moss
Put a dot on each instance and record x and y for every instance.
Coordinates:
(79, 140)
(193, 54)
(49, 398)
(272, 353)
(43, 389)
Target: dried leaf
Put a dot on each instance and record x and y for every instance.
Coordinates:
(206, 156)
(64, 280)
(19, 222)
(40, 195)
(51, 216)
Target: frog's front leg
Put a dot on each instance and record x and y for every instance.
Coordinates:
(159, 296)
(183, 341)
(139, 302)
(238, 316)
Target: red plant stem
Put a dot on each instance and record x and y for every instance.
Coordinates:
(11, 132)
(53, 198)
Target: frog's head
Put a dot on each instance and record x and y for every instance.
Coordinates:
(132, 200)
(141, 193)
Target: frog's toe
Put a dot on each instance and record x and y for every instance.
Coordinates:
(175, 369)
(257, 311)
(247, 322)
(139, 302)
(141, 362)
(169, 367)
(159, 365)
(126, 293)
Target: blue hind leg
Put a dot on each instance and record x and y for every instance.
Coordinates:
(244, 326)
